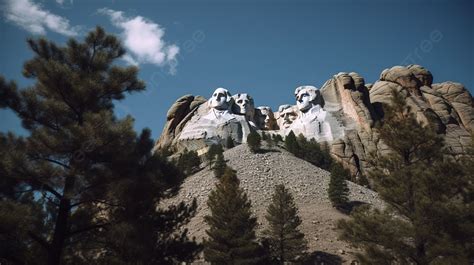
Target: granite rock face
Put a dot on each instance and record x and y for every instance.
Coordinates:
(342, 115)
(448, 106)
(347, 97)
(178, 115)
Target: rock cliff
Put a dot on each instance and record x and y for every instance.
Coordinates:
(342, 114)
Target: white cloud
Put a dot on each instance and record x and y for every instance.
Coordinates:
(129, 59)
(64, 3)
(144, 40)
(35, 19)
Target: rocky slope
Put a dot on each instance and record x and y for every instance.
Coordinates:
(259, 173)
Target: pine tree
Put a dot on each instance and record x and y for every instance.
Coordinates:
(287, 243)
(254, 141)
(61, 175)
(229, 142)
(312, 152)
(269, 142)
(291, 144)
(188, 162)
(338, 189)
(231, 224)
(220, 164)
(429, 211)
(211, 154)
(277, 139)
(143, 233)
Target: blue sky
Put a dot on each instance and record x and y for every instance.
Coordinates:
(265, 48)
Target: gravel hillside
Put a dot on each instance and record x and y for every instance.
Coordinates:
(259, 173)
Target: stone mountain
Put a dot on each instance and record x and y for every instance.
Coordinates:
(341, 115)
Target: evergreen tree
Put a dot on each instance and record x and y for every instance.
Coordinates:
(264, 136)
(312, 152)
(211, 154)
(428, 219)
(277, 138)
(309, 151)
(254, 141)
(220, 164)
(188, 162)
(269, 141)
(62, 174)
(230, 143)
(141, 232)
(338, 189)
(287, 243)
(231, 224)
(291, 144)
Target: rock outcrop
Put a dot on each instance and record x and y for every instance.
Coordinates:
(178, 115)
(347, 97)
(342, 114)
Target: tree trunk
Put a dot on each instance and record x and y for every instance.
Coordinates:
(62, 224)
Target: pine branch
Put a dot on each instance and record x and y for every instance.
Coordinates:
(50, 160)
(88, 228)
(39, 239)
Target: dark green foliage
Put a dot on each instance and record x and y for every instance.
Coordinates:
(269, 141)
(73, 180)
(229, 143)
(286, 242)
(220, 165)
(338, 189)
(429, 212)
(211, 154)
(312, 152)
(264, 136)
(363, 181)
(231, 224)
(188, 162)
(291, 144)
(309, 151)
(277, 138)
(254, 141)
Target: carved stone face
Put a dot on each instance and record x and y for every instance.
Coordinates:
(266, 118)
(287, 116)
(305, 97)
(244, 105)
(221, 99)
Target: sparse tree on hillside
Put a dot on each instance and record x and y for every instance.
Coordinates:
(291, 144)
(188, 162)
(220, 165)
(309, 151)
(277, 139)
(58, 182)
(231, 233)
(229, 143)
(269, 141)
(254, 141)
(211, 154)
(428, 219)
(287, 243)
(338, 189)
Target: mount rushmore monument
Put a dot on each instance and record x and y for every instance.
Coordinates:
(340, 115)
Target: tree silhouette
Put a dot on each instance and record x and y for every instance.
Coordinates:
(287, 243)
(231, 230)
(429, 211)
(63, 179)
